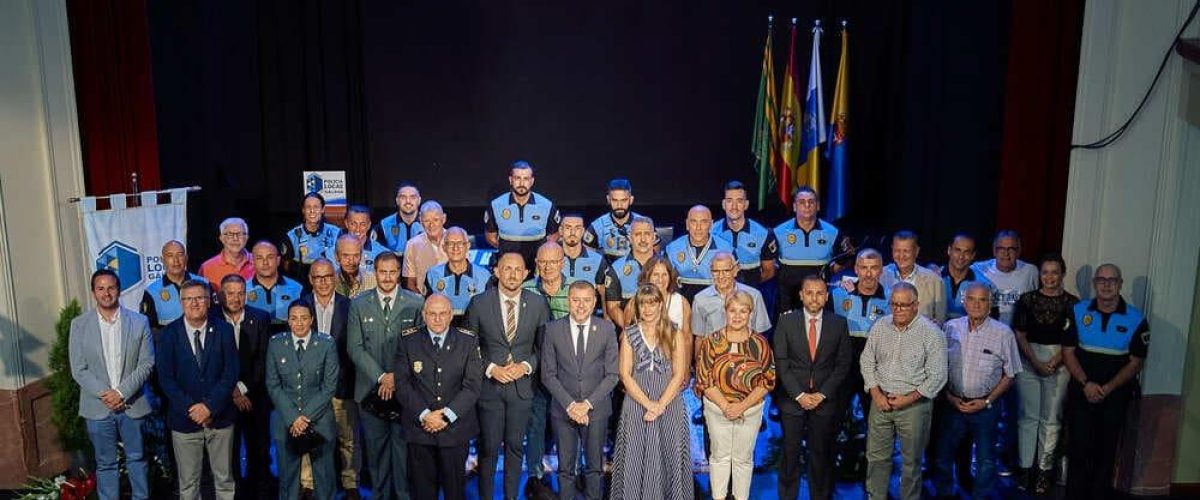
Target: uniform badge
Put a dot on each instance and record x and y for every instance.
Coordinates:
(417, 366)
(1087, 320)
(252, 296)
(847, 304)
(441, 285)
(587, 237)
(165, 295)
(470, 288)
(679, 257)
(536, 217)
(610, 242)
(505, 214)
(791, 238)
(1122, 329)
(587, 268)
(286, 298)
(395, 230)
(752, 244)
(303, 251)
(820, 241)
(628, 269)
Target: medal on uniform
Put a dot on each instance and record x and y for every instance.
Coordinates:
(252, 296)
(395, 230)
(165, 295)
(791, 238)
(417, 366)
(699, 258)
(505, 214)
(846, 304)
(441, 285)
(303, 251)
(679, 257)
(628, 269)
(611, 242)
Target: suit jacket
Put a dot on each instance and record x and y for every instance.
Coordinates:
(567, 379)
(371, 338)
(337, 330)
(795, 368)
(302, 387)
(89, 368)
(185, 384)
(252, 340)
(486, 319)
(432, 379)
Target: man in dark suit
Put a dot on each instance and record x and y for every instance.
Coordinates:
(332, 311)
(438, 376)
(251, 331)
(508, 320)
(372, 332)
(197, 363)
(813, 360)
(579, 370)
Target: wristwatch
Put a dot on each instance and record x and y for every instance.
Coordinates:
(988, 402)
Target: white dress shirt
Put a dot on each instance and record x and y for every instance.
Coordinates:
(237, 341)
(110, 343)
(575, 333)
(504, 318)
(325, 314)
(190, 330)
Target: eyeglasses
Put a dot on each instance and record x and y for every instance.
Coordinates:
(1106, 281)
(1007, 249)
(723, 271)
(904, 305)
(321, 277)
(234, 235)
(194, 299)
(455, 244)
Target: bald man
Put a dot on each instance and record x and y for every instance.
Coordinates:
(692, 254)
(160, 301)
(270, 290)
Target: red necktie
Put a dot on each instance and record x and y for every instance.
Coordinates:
(812, 338)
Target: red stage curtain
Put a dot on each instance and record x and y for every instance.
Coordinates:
(1043, 64)
(114, 94)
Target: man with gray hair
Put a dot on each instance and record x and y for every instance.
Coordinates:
(233, 257)
(903, 368)
(425, 250)
(905, 249)
(160, 302)
(358, 223)
(353, 276)
(708, 309)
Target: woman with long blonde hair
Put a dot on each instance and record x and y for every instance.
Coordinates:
(652, 456)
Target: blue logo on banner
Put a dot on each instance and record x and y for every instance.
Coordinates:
(124, 260)
(314, 183)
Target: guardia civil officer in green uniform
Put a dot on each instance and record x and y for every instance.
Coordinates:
(302, 377)
(308, 241)
(160, 302)
(438, 377)
(1104, 349)
(521, 220)
(373, 329)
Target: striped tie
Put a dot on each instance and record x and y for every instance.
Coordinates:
(510, 320)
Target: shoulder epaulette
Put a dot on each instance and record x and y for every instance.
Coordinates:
(281, 336)
(409, 331)
(465, 331)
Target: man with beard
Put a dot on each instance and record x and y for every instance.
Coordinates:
(692, 253)
(621, 282)
(754, 245)
(610, 232)
(960, 255)
(403, 225)
(581, 262)
(358, 223)
(352, 276)
(521, 220)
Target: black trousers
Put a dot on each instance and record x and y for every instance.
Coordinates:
(503, 418)
(437, 467)
(253, 428)
(819, 429)
(569, 437)
(1095, 432)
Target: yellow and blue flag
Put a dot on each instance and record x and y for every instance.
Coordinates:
(813, 133)
(835, 202)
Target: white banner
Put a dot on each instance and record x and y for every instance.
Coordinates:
(129, 240)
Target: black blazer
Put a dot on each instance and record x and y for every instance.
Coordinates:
(795, 368)
(341, 312)
(185, 384)
(567, 380)
(432, 379)
(252, 349)
(485, 318)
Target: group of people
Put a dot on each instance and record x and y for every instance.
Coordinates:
(385, 345)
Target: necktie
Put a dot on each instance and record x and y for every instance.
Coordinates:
(198, 347)
(579, 343)
(437, 342)
(300, 349)
(510, 320)
(387, 307)
(812, 338)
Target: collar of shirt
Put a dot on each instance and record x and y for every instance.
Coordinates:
(1095, 306)
(970, 276)
(816, 225)
(279, 280)
(809, 317)
(393, 294)
(203, 328)
(232, 320)
(320, 228)
(116, 319)
(243, 257)
(912, 275)
(307, 340)
(575, 326)
(467, 272)
(434, 336)
(512, 200)
(877, 295)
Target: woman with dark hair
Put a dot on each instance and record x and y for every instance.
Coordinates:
(652, 457)
(1039, 319)
(302, 377)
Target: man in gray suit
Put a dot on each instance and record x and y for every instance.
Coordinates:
(509, 320)
(373, 330)
(111, 359)
(579, 370)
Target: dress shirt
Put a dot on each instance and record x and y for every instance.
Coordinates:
(237, 341)
(575, 332)
(979, 358)
(110, 342)
(381, 295)
(307, 341)
(325, 314)
(900, 361)
(708, 311)
(516, 318)
(436, 338)
(191, 330)
(809, 317)
(930, 289)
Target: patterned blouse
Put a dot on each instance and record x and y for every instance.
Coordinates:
(734, 368)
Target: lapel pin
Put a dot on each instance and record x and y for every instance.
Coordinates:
(417, 366)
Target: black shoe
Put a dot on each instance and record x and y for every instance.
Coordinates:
(1022, 479)
(306, 494)
(1043, 482)
(352, 494)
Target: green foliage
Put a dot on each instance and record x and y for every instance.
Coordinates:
(64, 392)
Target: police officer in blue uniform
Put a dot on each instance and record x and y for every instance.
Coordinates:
(401, 226)
(621, 281)
(754, 245)
(458, 279)
(580, 262)
(269, 290)
(861, 307)
(160, 301)
(806, 244)
(308, 241)
(358, 223)
(960, 255)
(1104, 349)
(692, 253)
(609, 233)
(439, 374)
(520, 220)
